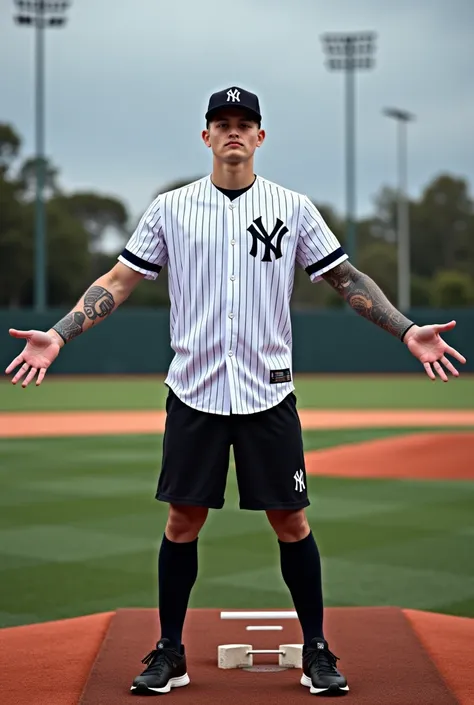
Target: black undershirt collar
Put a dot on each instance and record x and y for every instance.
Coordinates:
(232, 194)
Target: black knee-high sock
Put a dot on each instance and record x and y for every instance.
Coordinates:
(301, 570)
(177, 573)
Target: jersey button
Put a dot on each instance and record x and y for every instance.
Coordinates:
(232, 242)
(232, 279)
(231, 315)
(230, 353)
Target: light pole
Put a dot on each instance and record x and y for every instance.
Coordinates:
(40, 14)
(403, 220)
(349, 53)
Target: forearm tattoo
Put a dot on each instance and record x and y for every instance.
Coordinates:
(366, 298)
(70, 326)
(98, 302)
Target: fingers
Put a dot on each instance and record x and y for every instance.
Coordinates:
(41, 375)
(449, 366)
(29, 377)
(23, 370)
(21, 373)
(428, 370)
(456, 354)
(17, 361)
(440, 371)
(20, 333)
(440, 327)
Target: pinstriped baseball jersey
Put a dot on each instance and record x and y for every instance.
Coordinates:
(231, 267)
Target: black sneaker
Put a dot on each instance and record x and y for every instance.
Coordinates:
(319, 670)
(166, 669)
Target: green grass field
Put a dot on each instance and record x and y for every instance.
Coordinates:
(312, 392)
(80, 528)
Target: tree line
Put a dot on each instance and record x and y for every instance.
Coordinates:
(441, 224)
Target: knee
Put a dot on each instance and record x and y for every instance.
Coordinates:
(289, 526)
(185, 522)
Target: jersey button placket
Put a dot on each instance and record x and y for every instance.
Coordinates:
(230, 310)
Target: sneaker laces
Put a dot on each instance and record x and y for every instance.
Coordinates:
(156, 660)
(324, 660)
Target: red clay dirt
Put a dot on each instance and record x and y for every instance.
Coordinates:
(422, 456)
(390, 656)
(99, 423)
(48, 664)
(440, 633)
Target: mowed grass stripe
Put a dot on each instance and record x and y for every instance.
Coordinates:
(328, 392)
(361, 583)
(121, 453)
(36, 473)
(86, 535)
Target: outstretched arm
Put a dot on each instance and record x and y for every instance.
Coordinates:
(98, 302)
(368, 300)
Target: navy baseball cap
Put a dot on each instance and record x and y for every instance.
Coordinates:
(234, 97)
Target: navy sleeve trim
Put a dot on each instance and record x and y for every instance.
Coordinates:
(325, 261)
(139, 262)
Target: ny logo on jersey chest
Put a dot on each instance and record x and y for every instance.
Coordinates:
(258, 232)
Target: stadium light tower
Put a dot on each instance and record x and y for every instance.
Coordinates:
(350, 52)
(403, 216)
(40, 14)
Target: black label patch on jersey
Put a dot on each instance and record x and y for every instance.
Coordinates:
(278, 376)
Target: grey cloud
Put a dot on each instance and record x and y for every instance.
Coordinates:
(128, 82)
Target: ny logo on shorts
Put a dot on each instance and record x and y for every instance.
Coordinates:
(299, 481)
(258, 232)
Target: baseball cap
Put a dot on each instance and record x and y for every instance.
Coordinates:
(234, 97)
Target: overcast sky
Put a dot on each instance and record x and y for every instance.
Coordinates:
(128, 82)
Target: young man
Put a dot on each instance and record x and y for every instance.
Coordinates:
(231, 242)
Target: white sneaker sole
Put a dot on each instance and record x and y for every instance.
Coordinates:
(306, 681)
(172, 683)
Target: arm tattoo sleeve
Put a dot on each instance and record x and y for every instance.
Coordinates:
(98, 303)
(367, 299)
(70, 326)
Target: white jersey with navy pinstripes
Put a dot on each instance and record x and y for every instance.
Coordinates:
(231, 267)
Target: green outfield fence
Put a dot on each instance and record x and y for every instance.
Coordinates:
(136, 341)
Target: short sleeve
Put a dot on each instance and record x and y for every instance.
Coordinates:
(318, 249)
(146, 250)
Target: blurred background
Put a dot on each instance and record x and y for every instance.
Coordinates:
(369, 110)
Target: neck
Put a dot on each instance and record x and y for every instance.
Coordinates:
(233, 176)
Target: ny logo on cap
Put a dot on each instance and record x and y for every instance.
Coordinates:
(233, 95)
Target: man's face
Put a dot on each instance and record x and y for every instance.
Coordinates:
(233, 136)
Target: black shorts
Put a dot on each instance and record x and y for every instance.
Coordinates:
(268, 451)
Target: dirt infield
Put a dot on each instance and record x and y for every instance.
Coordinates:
(100, 423)
(390, 656)
(422, 456)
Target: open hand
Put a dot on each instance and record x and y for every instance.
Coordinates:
(39, 353)
(426, 344)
